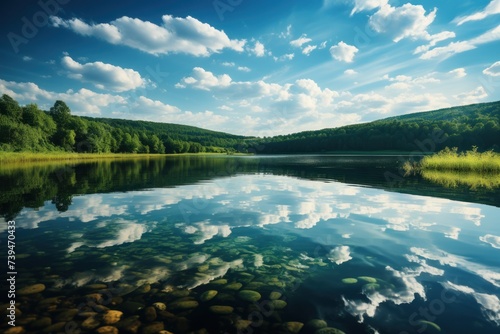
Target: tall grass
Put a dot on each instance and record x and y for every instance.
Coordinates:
(22, 157)
(469, 161)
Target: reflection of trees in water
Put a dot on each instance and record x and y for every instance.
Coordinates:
(453, 179)
(34, 184)
(31, 185)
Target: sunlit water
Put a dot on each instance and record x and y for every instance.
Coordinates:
(359, 257)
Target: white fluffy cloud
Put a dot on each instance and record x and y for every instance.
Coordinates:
(402, 22)
(493, 70)
(258, 49)
(361, 5)
(175, 35)
(343, 52)
(81, 102)
(103, 76)
(300, 41)
(474, 96)
(462, 46)
(407, 21)
(204, 80)
(493, 240)
(492, 8)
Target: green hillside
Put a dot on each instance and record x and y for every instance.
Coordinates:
(27, 128)
(461, 127)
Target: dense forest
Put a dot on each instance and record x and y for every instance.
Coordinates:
(461, 127)
(27, 128)
(30, 129)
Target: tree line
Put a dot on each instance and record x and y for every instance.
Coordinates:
(27, 128)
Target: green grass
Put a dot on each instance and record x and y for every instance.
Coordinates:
(25, 157)
(470, 161)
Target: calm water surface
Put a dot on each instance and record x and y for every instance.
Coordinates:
(284, 244)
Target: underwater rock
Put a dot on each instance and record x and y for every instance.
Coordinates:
(367, 279)
(107, 330)
(55, 328)
(203, 268)
(66, 315)
(15, 330)
(371, 287)
(112, 317)
(143, 289)
(130, 307)
(96, 286)
(278, 304)
(220, 281)
(208, 295)
(32, 289)
(184, 305)
(90, 323)
(241, 324)
(329, 330)
(315, 324)
(160, 306)
(233, 286)
(221, 309)
(149, 314)
(249, 295)
(40, 323)
(225, 297)
(293, 326)
(349, 280)
(180, 293)
(275, 295)
(129, 325)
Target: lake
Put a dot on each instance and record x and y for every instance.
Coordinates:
(250, 244)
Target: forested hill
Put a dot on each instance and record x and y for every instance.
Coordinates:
(462, 127)
(27, 128)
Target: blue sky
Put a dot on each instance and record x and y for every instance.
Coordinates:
(251, 67)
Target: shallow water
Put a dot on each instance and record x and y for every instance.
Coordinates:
(343, 239)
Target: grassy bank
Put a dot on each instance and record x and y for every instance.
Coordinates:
(25, 157)
(452, 160)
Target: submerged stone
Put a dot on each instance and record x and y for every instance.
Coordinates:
(368, 279)
(160, 306)
(316, 324)
(107, 330)
(293, 326)
(278, 304)
(90, 323)
(241, 324)
(220, 281)
(184, 305)
(275, 295)
(329, 330)
(349, 280)
(112, 317)
(233, 286)
(221, 309)
(249, 295)
(371, 287)
(208, 295)
(32, 289)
